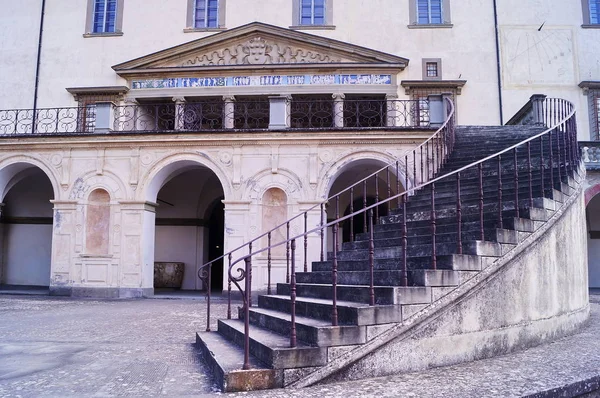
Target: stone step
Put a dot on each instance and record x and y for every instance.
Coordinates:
(473, 247)
(361, 294)
(272, 348)
(457, 262)
(380, 277)
(225, 360)
(309, 330)
(349, 313)
(470, 233)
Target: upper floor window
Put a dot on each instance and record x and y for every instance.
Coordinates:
(429, 11)
(104, 18)
(206, 14)
(591, 13)
(594, 11)
(312, 12)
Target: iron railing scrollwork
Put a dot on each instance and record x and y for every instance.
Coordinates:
(47, 121)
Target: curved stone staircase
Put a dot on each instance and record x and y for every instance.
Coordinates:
(275, 364)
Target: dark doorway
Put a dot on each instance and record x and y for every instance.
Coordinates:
(359, 221)
(216, 233)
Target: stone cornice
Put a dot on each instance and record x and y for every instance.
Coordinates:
(589, 85)
(410, 85)
(44, 143)
(107, 90)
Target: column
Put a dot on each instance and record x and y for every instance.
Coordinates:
(338, 110)
(537, 103)
(179, 113)
(437, 110)
(105, 117)
(279, 112)
(229, 112)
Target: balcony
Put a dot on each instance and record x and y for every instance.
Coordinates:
(227, 114)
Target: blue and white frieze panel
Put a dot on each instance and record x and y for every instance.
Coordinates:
(257, 81)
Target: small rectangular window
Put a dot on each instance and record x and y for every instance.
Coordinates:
(594, 12)
(312, 12)
(206, 14)
(105, 16)
(432, 69)
(429, 12)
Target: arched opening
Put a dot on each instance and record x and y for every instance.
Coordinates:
(354, 200)
(26, 227)
(593, 227)
(189, 227)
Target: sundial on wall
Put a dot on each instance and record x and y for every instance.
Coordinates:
(531, 55)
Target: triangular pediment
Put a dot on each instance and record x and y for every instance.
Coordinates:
(258, 44)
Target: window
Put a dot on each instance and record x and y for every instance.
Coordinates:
(594, 11)
(432, 68)
(429, 13)
(205, 15)
(312, 14)
(104, 18)
(591, 13)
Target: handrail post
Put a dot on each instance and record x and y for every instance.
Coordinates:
(293, 296)
(208, 288)
(500, 205)
(269, 263)
(481, 226)
(433, 229)
(371, 260)
(287, 253)
(246, 365)
(306, 241)
(516, 176)
(404, 246)
(229, 290)
(334, 311)
(458, 215)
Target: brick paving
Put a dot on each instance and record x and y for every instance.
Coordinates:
(60, 347)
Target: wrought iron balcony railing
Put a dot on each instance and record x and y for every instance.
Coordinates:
(217, 114)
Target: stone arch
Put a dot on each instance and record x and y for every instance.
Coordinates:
(13, 167)
(286, 180)
(108, 181)
(168, 167)
(335, 169)
(591, 192)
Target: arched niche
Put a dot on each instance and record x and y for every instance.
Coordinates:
(275, 213)
(97, 223)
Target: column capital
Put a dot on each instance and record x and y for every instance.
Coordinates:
(179, 100)
(338, 96)
(229, 98)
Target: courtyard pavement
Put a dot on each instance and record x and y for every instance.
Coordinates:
(61, 347)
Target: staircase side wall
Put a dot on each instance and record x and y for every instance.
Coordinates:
(535, 294)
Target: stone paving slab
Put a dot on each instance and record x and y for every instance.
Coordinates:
(60, 347)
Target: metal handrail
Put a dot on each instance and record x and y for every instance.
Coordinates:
(564, 122)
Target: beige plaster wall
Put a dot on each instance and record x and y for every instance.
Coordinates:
(132, 171)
